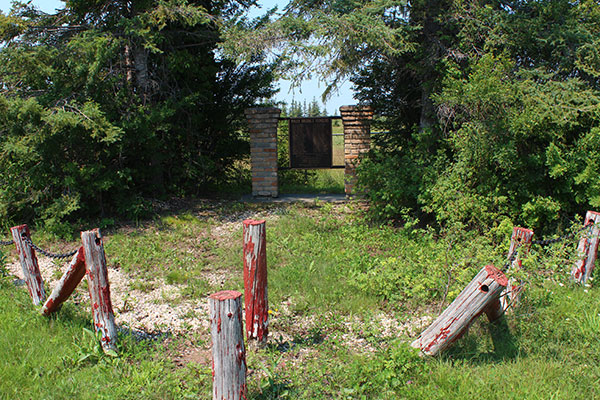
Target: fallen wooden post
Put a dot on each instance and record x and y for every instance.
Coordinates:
(520, 244)
(29, 263)
(67, 284)
(99, 288)
(228, 351)
(255, 280)
(480, 294)
(588, 249)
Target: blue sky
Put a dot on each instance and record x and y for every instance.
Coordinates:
(308, 89)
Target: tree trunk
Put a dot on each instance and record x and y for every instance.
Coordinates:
(229, 354)
(97, 274)
(255, 280)
(29, 264)
(142, 79)
(67, 284)
(588, 249)
(480, 294)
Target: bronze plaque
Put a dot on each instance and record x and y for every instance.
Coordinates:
(310, 143)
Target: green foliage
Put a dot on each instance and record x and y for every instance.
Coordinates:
(331, 337)
(105, 106)
(512, 124)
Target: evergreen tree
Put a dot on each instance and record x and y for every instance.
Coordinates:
(105, 102)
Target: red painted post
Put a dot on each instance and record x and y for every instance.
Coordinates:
(520, 242)
(228, 351)
(98, 285)
(29, 264)
(479, 295)
(588, 249)
(67, 284)
(255, 280)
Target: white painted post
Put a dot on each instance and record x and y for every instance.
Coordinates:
(588, 249)
(520, 242)
(98, 284)
(29, 264)
(481, 293)
(228, 351)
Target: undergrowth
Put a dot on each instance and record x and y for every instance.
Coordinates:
(345, 299)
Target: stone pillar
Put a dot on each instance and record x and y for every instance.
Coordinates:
(262, 122)
(357, 140)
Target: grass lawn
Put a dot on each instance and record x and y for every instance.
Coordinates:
(347, 297)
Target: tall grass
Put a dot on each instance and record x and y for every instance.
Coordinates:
(333, 280)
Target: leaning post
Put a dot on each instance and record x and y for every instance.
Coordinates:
(480, 294)
(29, 263)
(99, 288)
(67, 284)
(520, 244)
(255, 280)
(228, 351)
(587, 249)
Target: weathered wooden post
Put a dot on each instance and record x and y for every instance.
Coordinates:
(475, 299)
(97, 275)
(67, 284)
(228, 351)
(29, 263)
(520, 244)
(255, 280)
(588, 249)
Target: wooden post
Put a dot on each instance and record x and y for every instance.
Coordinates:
(520, 241)
(67, 284)
(29, 264)
(479, 294)
(588, 249)
(229, 354)
(97, 275)
(255, 280)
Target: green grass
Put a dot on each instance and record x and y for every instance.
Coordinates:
(60, 358)
(332, 276)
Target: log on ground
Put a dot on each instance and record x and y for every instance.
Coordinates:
(482, 292)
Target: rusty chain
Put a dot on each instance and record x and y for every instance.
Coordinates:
(27, 240)
(5, 242)
(544, 242)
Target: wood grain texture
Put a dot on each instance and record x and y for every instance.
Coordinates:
(477, 296)
(99, 288)
(67, 284)
(228, 351)
(587, 249)
(520, 241)
(255, 280)
(29, 264)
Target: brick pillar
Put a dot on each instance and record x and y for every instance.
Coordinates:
(262, 122)
(357, 140)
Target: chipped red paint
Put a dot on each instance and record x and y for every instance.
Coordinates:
(225, 295)
(106, 303)
(29, 264)
(229, 355)
(99, 288)
(442, 335)
(255, 279)
(497, 275)
(588, 250)
(67, 284)
(458, 316)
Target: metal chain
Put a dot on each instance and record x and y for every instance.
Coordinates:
(5, 242)
(511, 258)
(544, 242)
(27, 240)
